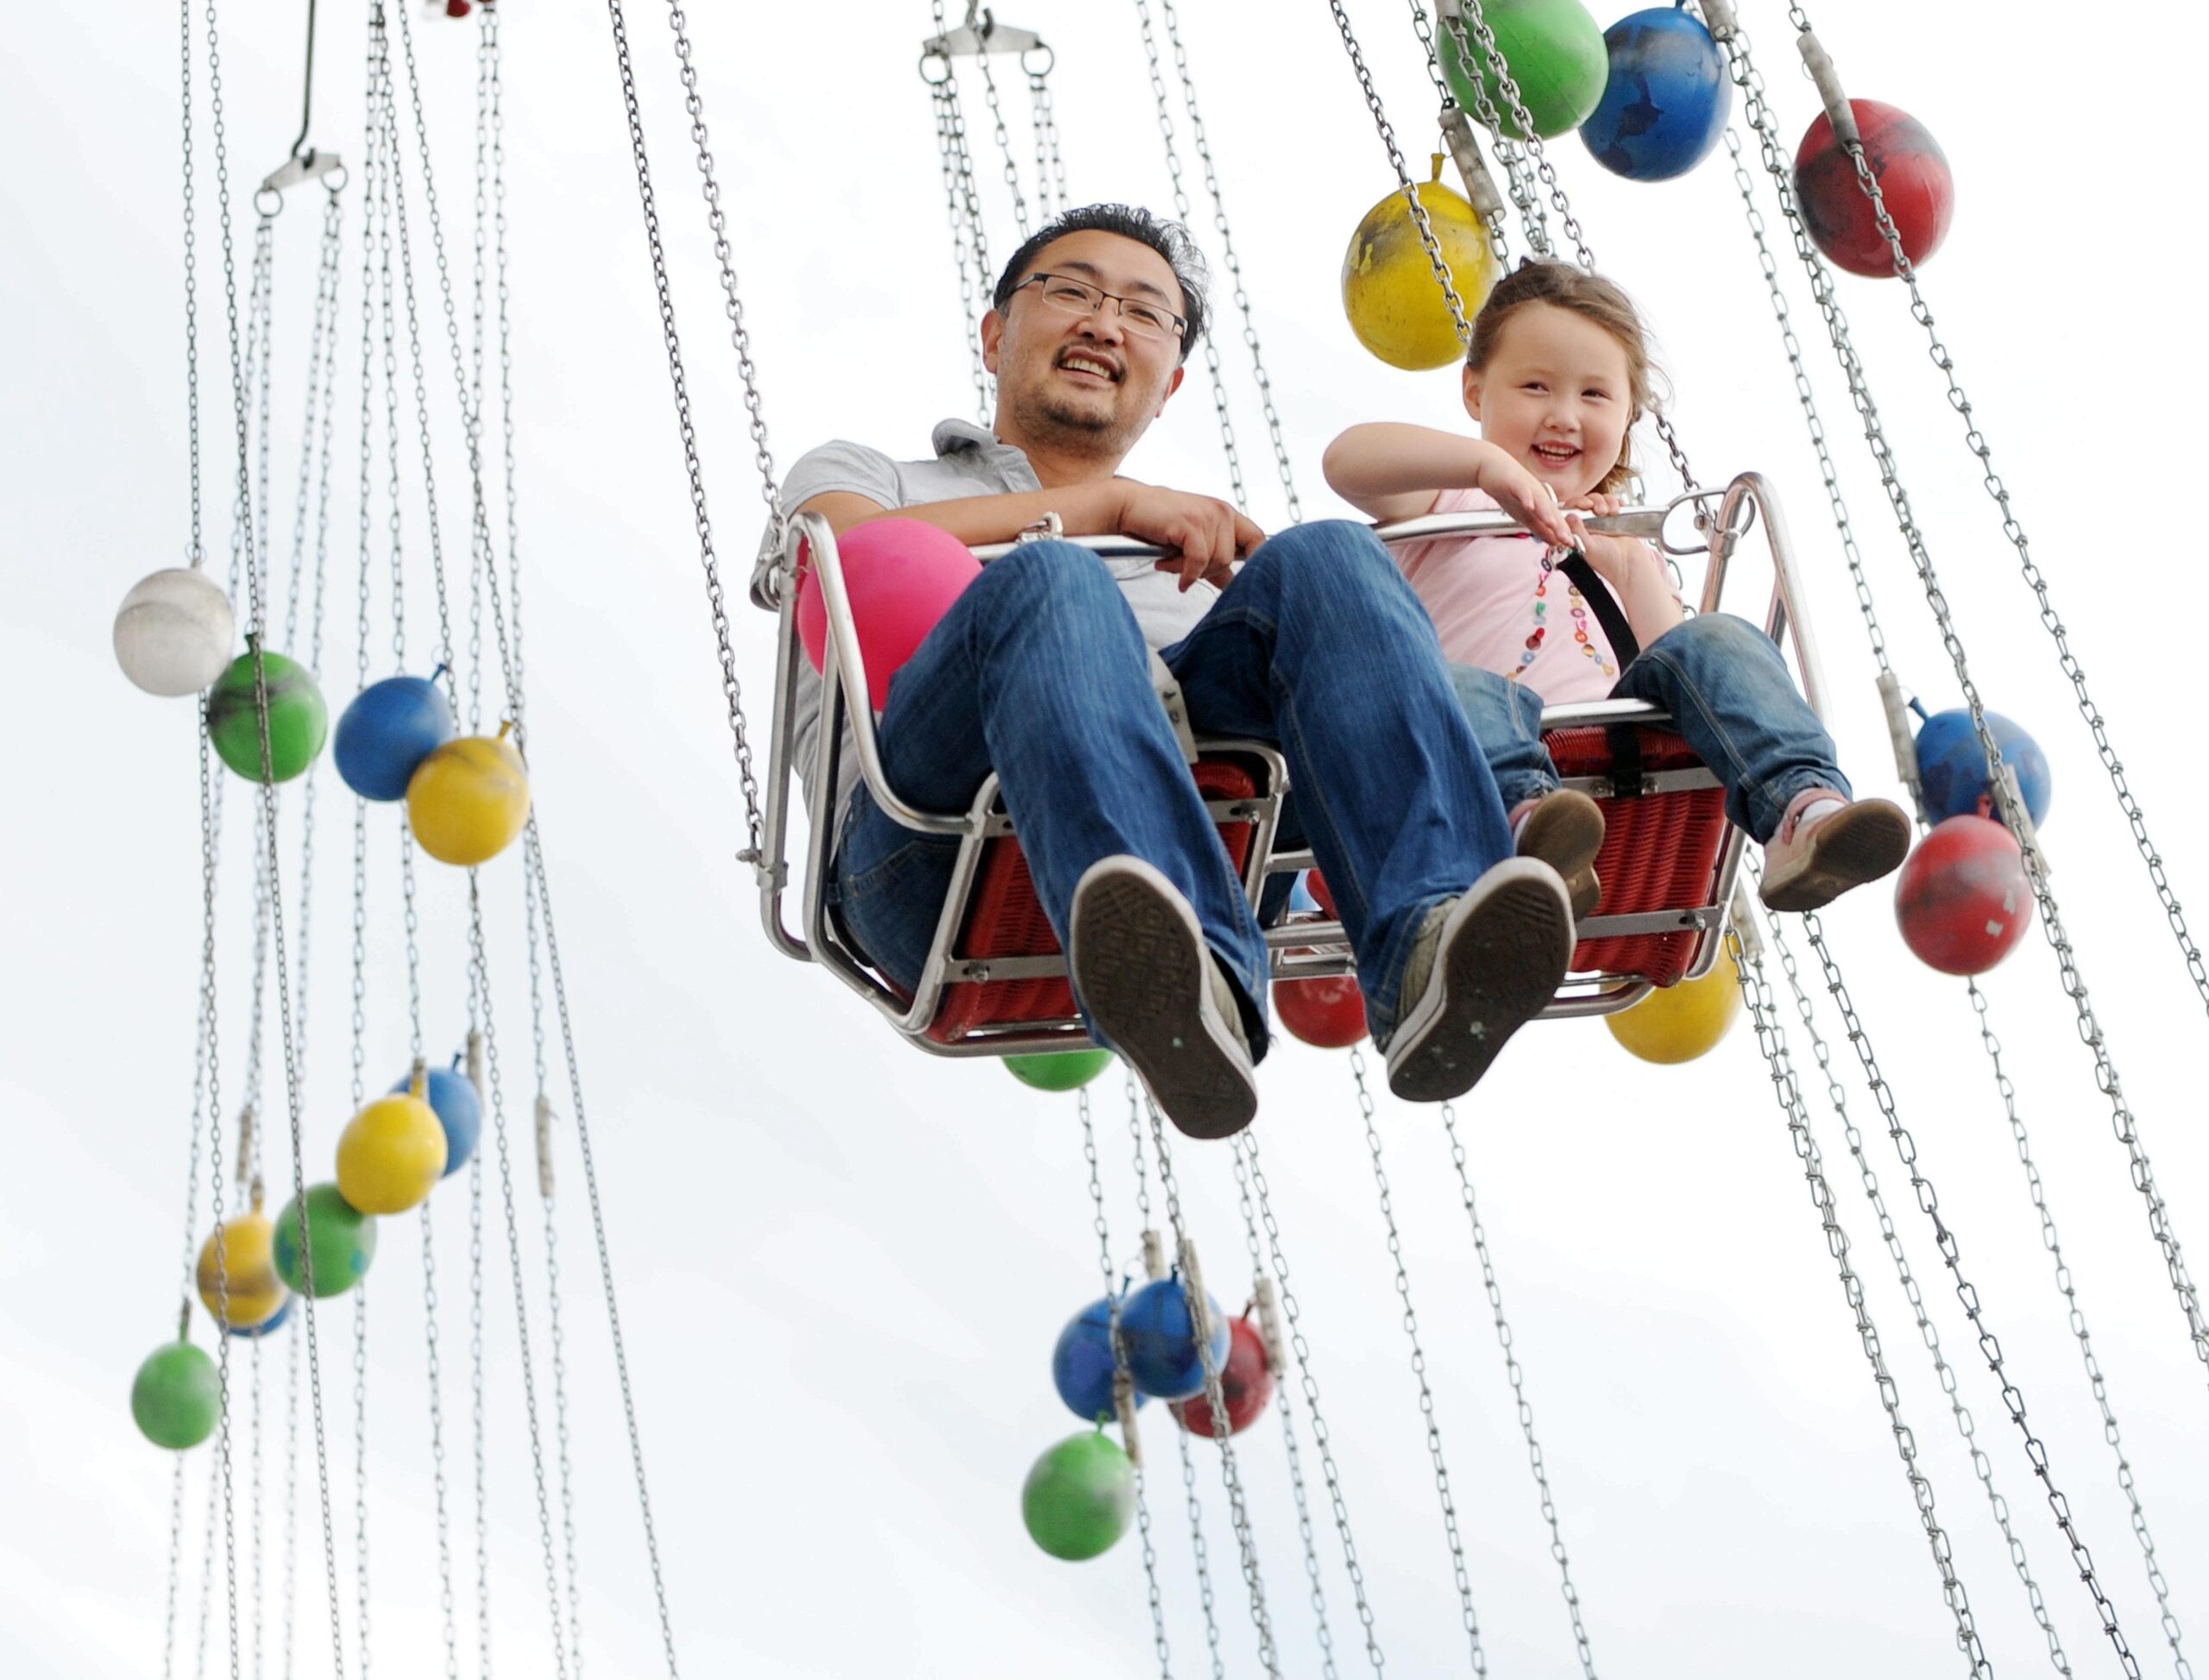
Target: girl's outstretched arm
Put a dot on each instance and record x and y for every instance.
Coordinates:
(1394, 471)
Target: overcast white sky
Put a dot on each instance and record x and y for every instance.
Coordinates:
(842, 1264)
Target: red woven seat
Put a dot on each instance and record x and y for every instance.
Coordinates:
(1660, 852)
(1004, 920)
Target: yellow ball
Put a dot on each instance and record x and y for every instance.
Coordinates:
(1396, 305)
(1683, 1022)
(391, 1155)
(247, 1292)
(468, 799)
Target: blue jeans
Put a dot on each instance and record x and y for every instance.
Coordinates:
(1039, 671)
(1729, 693)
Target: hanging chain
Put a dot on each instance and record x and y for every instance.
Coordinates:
(291, 1497)
(476, 1412)
(2122, 1122)
(1966, 1426)
(360, 1297)
(945, 98)
(1772, 1041)
(1115, 1292)
(1246, 1149)
(1457, 1565)
(1005, 145)
(1521, 195)
(1517, 1376)
(1042, 116)
(2052, 1243)
(1306, 1536)
(715, 600)
(433, 1370)
(195, 553)
(1944, 1236)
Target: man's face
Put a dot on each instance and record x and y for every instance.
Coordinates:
(1084, 380)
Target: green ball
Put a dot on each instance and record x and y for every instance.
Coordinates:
(1066, 1070)
(1080, 1497)
(177, 1396)
(1556, 52)
(344, 1239)
(298, 720)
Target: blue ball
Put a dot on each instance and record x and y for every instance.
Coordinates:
(460, 1112)
(1952, 767)
(1161, 1340)
(273, 1321)
(1081, 1364)
(390, 727)
(1667, 100)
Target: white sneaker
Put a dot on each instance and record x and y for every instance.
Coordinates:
(1154, 994)
(1826, 845)
(1483, 965)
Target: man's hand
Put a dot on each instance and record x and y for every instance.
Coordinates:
(1202, 536)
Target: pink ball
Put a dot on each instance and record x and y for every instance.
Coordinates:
(902, 576)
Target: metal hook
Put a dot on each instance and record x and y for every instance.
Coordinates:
(304, 163)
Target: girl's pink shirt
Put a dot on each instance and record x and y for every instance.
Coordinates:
(1480, 593)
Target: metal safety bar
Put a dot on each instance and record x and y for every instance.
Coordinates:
(1298, 949)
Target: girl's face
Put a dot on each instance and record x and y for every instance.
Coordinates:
(1556, 396)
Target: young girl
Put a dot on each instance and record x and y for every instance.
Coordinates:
(1557, 374)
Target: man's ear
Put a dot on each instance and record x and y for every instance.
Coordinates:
(992, 335)
(1473, 393)
(1172, 385)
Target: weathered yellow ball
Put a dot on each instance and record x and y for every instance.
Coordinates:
(391, 1155)
(244, 1290)
(468, 799)
(1395, 305)
(1683, 1022)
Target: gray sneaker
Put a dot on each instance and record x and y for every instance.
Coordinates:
(1154, 994)
(1482, 966)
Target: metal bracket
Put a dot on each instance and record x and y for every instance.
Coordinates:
(980, 35)
(309, 165)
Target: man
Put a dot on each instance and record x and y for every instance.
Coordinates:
(1039, 672)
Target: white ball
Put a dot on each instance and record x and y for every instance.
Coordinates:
(175, 631)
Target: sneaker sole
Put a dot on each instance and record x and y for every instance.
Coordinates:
(1142, 967)
(1566, 835)
(1847, 849)
(1500, 967)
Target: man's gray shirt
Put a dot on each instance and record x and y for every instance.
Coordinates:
(968, 461)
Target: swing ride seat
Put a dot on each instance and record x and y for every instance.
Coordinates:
(995, 981)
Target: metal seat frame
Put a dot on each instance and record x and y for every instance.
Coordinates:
(1297, 950)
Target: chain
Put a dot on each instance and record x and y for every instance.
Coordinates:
(945, 98)
(1457, 1566)
(1183, 212)
(1246, 1151)
(360, 1295)
(1966, 1426)
(1043, 125)
(716, 602)
(290, 1496)
(1467, 15)
(2073, 983)
(2053, 1244)
(446, 1602)
(508, 479)
(1532, 217)
(1115, 1292)
(1420, 220)
(1306, 1536)
(476, 1411)
(260, 1596)
(1944, 1235)
(1517, 1376)
(1772, 1041)
(1005, 145)
(534, 861)
(195, 554)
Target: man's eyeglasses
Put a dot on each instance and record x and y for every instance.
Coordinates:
(1142, 319)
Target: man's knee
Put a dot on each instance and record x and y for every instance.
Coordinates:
(1042, 575)
(1337, 558)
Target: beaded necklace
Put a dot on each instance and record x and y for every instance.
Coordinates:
(1579, 611)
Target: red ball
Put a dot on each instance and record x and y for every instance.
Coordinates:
(458, 8)
(1914, 182)
(902, 576)
(1328, 1012)
(1246, 1383)
(1962, 898)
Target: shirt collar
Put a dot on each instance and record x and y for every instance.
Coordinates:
(956, 438)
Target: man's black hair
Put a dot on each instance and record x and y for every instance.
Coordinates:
(1168, 238)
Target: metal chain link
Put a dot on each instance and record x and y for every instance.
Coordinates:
(448, 1602)
(1116, 1292)
(716, 599)
(291, 1499)
(1457, 1565)
(1512, 1371)
(1867, 181)
(1183, 213)
(1966, 1427)
(1246, 1150)
(480, 1456)
(360, 1299)
(1499, 240)
(1004, 144)
(195, 553)
(945, 98)
(1771, 1042)
(1306, 1537)
(1989, 1347)
(2123, 1123)
(1420, 220)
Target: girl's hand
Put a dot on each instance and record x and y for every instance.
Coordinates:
(1615, 558)
(1595, 501)
(1524, 498)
